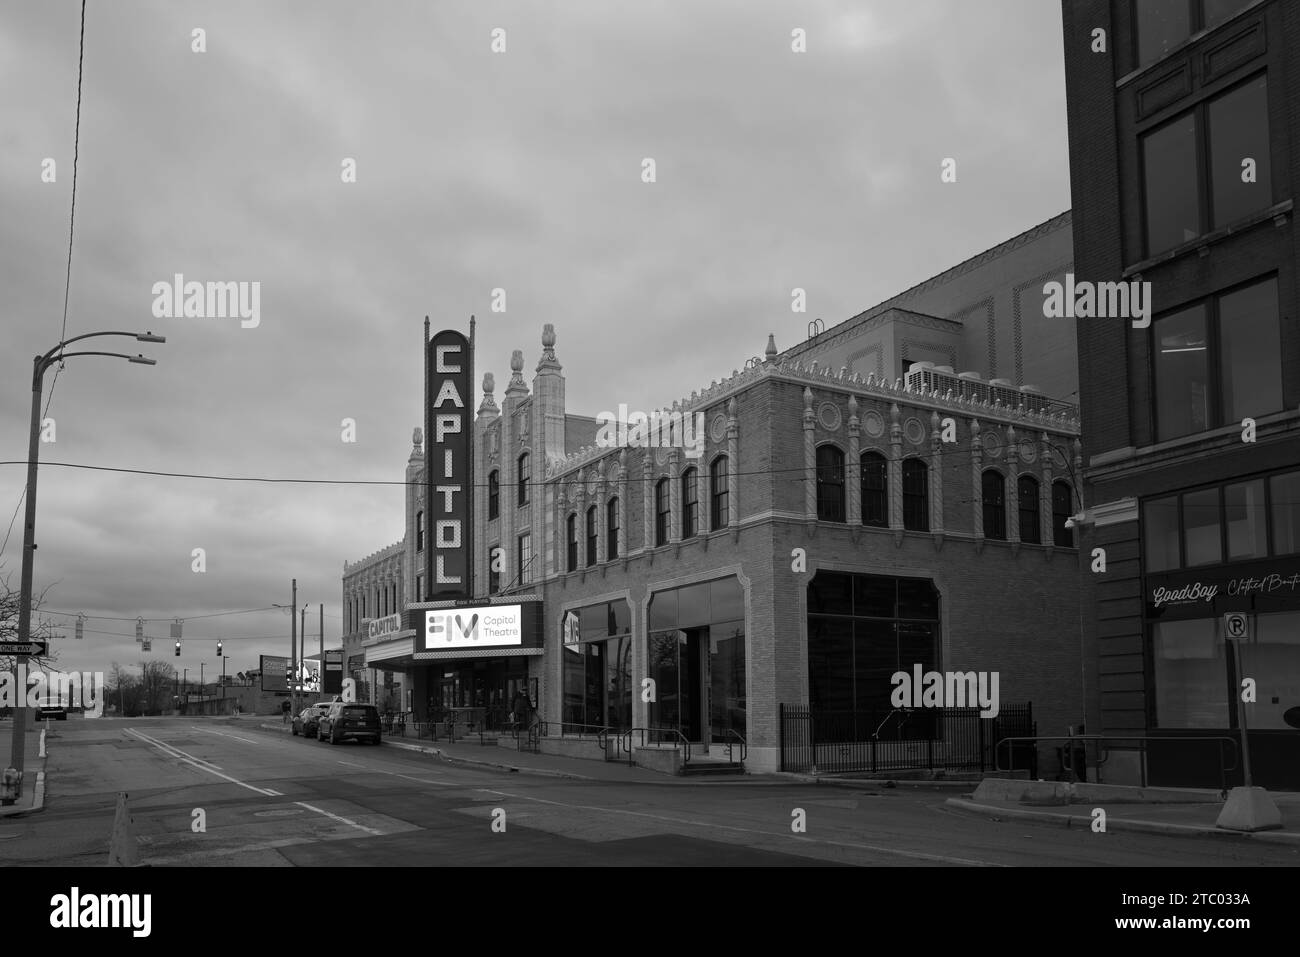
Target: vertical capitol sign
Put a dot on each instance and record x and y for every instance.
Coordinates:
(449, 471)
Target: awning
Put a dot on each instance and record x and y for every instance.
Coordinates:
(485, 653)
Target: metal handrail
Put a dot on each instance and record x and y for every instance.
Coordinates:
(1142, 738)
(630, 731)
(744, 746)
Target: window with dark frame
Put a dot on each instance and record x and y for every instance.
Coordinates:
(690, 504)
(494, 576)
(494, 494)
(1029, 510)
(593, 541)
(419, 531)
(1162, 25)
(916, 495)
(525, 476)
(830, 483)
(525, 551)
(1217, 361)
(1193, 166)
(661, 512)
(994, 499)
(611, 529)
(571, 527)
(1245, 519)
(1062, 509)
(719, 515)
(873, 472)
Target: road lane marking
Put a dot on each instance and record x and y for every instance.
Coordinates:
(198, 763)
(274, 794)
(750, 830)
(171, 749)
(336, 817)
(224, 734)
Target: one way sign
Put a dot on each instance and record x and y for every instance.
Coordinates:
(33, 648)
(1236, 626)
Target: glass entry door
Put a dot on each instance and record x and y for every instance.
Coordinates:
(677, 669)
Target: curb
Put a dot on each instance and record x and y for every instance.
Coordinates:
(451, 759)
(1084, 821)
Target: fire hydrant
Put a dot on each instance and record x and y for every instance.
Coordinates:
(11, 785)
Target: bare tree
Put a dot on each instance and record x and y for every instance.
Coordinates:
(42, 629)
(157, 679)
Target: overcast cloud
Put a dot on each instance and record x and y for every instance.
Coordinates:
(475, 170)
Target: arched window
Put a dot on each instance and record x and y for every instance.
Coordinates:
(572, 539)
(661, 512)
(690, 504)
(994, 497)
(719, 513)
(419, 531)
(1030, 513)
(916, 495)
(875, 489)
(830, 484)
(611, 529)
(495, 559)
(524, 478)
(592, 540)
(1062, 509)
(494, 494)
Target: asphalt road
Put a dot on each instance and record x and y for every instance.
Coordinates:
(267, 799)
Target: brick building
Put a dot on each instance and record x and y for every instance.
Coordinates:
(1184, 119)
(855, 507)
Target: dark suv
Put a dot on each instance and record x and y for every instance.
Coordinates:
(346, 720)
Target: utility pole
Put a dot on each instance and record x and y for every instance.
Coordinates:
(322, 648)
(293, 653)
(202, 683)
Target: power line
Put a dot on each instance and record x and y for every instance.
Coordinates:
(215, 614)
(949, 454)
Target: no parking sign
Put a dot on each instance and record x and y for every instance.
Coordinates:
(1236, 626)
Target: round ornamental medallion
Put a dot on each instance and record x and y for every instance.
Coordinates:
(828, 414)
(992, 444)
(1028, 451)
(661, 456)
(914, 431)
(873, 424)
(718, 430)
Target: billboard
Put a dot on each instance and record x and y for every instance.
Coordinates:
(333, 672)
(448, 474)
(488, 626)
(275, 673)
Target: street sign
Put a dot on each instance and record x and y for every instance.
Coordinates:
(1236, 626)
(24, 647)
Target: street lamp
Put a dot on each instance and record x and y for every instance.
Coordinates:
(39, 365)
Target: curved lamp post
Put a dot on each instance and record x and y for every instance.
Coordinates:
(39, 365)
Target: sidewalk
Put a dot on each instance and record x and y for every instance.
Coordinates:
(33, 798)
(470, 753)
(1176, 811)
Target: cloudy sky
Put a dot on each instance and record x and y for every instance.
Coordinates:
(475, 170)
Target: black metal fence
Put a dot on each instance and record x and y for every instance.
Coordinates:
(933, 739)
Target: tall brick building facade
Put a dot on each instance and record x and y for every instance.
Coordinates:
(857, 506)
(1184, 122)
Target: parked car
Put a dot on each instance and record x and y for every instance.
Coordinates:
(305, 723)
(345, 720)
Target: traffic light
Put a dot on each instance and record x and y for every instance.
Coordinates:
(218, 649)
(178, 649)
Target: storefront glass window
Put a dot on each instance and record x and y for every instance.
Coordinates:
(1284, 490)
(1272, 658)
(1191, 683)
(1246, 519)
(597, 667)
(696, 656)
(1201, 528)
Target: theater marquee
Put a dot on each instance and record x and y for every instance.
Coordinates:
(449, 479)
